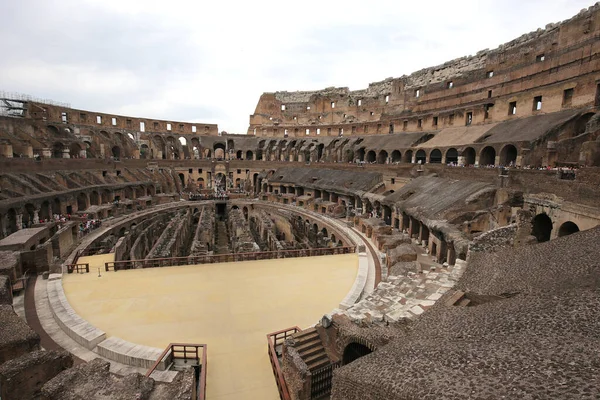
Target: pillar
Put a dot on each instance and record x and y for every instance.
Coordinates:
(19, 222)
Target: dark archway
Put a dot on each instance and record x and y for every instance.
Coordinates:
(408, 156)
(508, 155)
(360, 154)
(420, 157)
(371, 157)
(353, 352)
(382, 157)
(116, 152)
(487, 156)
(541, 227)
(249, 155)
(451, 156)
(469, 156)
(82, 202)
(567, 228)
(57, 150)
(396, 156)
(435, 157)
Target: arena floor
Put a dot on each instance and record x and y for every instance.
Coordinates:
(230, 306)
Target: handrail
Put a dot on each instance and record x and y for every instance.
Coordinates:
(231, 257)
(274, 339)
(175, 350)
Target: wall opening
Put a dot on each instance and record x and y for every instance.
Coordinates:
(567, 228)
(353, 352)
(541, 227)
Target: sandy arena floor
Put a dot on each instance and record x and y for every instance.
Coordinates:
(231, 307)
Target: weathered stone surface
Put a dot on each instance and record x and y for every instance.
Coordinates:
(5, 290)
(16, 338)
(24, 376)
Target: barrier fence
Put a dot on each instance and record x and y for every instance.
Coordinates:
(190, 354)
(274, 340)
(220, 258)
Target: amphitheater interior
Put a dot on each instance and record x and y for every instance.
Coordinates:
(433, 236)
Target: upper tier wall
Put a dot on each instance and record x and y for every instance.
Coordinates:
(63, 115)
(557, 66)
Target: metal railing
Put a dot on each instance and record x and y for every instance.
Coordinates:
(195, 355)
(219, 258)
(276, 339)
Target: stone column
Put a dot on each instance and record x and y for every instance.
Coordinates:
(19, 222)
(461, 161)
(36, 216)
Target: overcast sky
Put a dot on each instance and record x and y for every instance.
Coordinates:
(210, 61)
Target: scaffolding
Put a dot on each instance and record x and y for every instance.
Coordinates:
(14, 104)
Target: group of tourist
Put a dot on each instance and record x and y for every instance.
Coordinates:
(86, 227)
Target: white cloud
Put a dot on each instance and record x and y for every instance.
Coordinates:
(210, 61)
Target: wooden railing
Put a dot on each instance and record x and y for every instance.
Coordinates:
(276, 339)
(219, 258)
(195, 355)
(78, 268)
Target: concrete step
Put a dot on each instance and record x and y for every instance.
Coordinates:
(318, 364)
(303, 346)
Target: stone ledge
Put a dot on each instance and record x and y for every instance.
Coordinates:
(72, 324)
(359, 283)
(128, 353)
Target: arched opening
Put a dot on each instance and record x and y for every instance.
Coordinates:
(371, 157)
(259, 155)
(408, 156)
(353, 352)
(239, 154)
(144, 152)
(57, 150)
(435, 157)
(75, 150)
(324, 232)
(219, 149)
(82, 202)
(200, 182)
(249, 155)
(580, 124)
(387, 215)
(396, 156)
(487, 156)
(116, 152)
(382, 157)
(567, 228)
(56, 209)
(420, 157)
(28, 215)
(45, 210)
(451, 156)
(469, 156)
(95, 198)
(541, 227)
(182, 179)
(320, 151)
(508, 155)
(360, 154)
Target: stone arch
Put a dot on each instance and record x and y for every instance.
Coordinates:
(94, 198)
(420, 157)
(200, 183)
(451, 156)
(239, 154)
(219, 150)
(28, 214)
(45, 210)
(324, 232)
(567, 228)
(508, 155)
(116, 152)
(249, 155)
(56, 206)
(360, 154)
(371, 157)
(57, 150)
(581, 123)
(354, 351)
(75, 150)
(144, 152)
(469, 156)
(382, 157)
(408, 155)
(487, 156)
(82, 201)
(396, 156)
(541, 227)
(435, 156)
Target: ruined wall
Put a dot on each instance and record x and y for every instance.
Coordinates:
(543, 63)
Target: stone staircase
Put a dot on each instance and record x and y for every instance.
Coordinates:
(310, 347)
